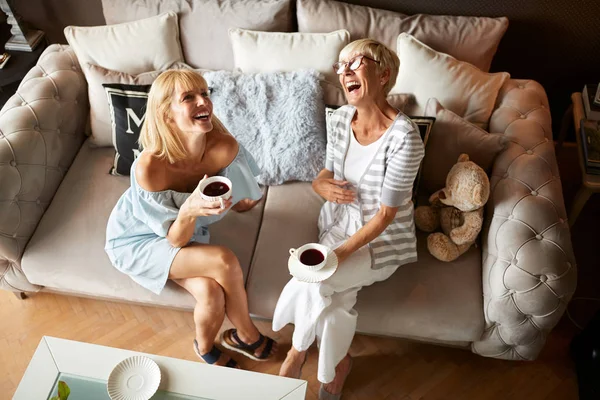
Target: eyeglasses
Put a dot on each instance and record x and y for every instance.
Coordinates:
(340, 66)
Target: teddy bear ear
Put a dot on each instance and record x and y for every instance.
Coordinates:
(463, 157)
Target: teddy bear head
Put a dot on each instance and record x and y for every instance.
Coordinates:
(467, 186)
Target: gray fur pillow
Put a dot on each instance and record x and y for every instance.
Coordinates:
(279, 117)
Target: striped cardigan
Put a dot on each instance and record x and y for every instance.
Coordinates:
(388, 180)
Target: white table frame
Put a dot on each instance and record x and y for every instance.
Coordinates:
(54, 356)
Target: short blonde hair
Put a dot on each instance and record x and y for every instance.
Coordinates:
(378, 52)
(158, 136)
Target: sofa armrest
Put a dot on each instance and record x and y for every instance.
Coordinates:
(41, 130)
(529, 271)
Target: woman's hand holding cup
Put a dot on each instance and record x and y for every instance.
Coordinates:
(201, 205)
(333, 190)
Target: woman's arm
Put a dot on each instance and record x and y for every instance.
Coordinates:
(182, 229)
(401, 171)
(330, 189)
(367, 233)
(245, 205)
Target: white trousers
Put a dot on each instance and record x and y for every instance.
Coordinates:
(325, 310)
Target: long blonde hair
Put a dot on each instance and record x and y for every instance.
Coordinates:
(157, 135)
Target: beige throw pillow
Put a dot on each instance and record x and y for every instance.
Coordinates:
(99, 112)
(459, 86)
(284, 52)
(451, 136)
(135, 47)
(471, 39)
(204, 23)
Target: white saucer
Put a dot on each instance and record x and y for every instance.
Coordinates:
(298, 271)
(134, 378)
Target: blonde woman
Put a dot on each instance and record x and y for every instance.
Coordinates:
(158, 229)
(373, 155)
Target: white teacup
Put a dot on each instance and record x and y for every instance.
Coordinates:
(216, 180)
(300, 255)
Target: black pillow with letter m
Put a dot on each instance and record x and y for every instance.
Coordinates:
(127, 105)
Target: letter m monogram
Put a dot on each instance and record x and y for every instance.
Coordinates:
(132, 116)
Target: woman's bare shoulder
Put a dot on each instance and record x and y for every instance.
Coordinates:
(223, 150)
(150, 173)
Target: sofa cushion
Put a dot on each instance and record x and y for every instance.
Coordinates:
(471, 39)
(450, 137)
(127, 104)
(279, 117)
(276, 51)
(66, 253)
(427, 299)
(458, 86)
(124, 48)
(204, 23)
(100, 118)
(135, 47)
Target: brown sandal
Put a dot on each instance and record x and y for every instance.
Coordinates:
(230, 340)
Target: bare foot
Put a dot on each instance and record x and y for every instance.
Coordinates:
(292, 365)
(341, 373)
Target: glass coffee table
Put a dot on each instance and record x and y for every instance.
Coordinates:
(85, 368)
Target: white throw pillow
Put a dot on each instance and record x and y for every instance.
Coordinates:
(132, 48)
(459, 86)
(99, 112)
(255, 51)
(146, 45)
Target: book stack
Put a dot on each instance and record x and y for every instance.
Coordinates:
(591, 102)
(590, 142)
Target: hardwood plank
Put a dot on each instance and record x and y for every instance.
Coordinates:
(384, 368)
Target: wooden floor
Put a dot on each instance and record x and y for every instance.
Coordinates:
(384, 368)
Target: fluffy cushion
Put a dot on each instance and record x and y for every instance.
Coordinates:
(127, 104)
(451, 136)
(204, 23)
(99, 113)
(274, 51)
(278, 117)
(459, 86)
(146, 45)
(471, 39)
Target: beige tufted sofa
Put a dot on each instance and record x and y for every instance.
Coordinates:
(500, 299)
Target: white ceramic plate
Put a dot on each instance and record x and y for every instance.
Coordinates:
(303, 274)
(134, 378)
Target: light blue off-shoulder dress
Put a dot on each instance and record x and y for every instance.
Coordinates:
(137, 227)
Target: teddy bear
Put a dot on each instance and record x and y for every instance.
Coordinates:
(458, 208)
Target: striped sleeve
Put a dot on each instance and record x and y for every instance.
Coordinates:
(335, 121)
(401, 170)
(330, 143)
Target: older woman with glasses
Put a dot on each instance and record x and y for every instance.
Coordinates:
(373, 155)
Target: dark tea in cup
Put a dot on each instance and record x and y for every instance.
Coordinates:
(215, 189)
(311, 257)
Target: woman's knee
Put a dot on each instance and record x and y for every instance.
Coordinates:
(229, 266)
(207, 291)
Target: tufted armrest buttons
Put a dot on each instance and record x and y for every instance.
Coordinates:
(523, 215)
(46, 102)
